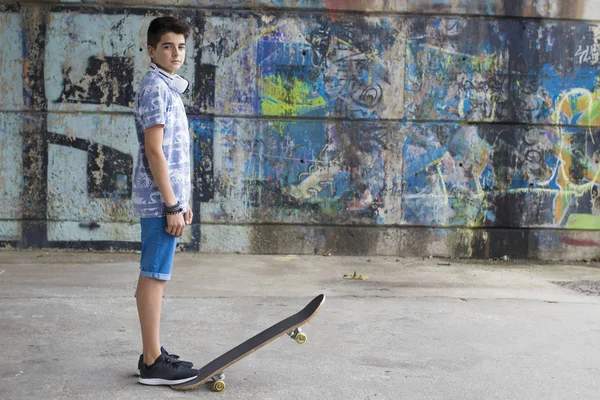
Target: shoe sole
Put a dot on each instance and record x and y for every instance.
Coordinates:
(158, 381)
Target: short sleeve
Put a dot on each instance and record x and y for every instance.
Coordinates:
(153, 106)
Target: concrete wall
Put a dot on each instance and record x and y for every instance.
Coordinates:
(392, 127)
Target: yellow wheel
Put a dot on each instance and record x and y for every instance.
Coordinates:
(218, 386)
(301, 338)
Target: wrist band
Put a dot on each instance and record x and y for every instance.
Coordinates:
(176, 206)
(172, 210)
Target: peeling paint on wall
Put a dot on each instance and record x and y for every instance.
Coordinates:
(11, 62)
(11, 172)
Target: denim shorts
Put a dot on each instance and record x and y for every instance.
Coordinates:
(158, 249)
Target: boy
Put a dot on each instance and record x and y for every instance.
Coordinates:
(161, 191)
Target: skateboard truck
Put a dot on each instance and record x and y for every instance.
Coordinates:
(298, 336)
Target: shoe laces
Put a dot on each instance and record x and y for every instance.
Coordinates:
(172, 358)
(169, 355)
(173, 362)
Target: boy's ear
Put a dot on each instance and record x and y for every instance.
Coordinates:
(151, 51)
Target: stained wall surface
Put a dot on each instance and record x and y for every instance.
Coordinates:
(400, 127)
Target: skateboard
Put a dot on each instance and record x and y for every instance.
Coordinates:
(213, 371)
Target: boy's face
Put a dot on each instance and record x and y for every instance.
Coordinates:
(169, 53)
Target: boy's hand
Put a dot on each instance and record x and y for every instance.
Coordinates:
(188, 215)
(175, 224)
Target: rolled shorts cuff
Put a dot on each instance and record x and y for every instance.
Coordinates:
(155, 275)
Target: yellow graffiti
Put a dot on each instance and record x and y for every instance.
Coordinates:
(227, 178)
(580, 102)
(575, 107)
(291, 97)
(583, 221)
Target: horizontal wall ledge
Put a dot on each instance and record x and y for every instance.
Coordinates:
(549, 9)
(499, 244)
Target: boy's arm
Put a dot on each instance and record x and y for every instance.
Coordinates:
(153, 138)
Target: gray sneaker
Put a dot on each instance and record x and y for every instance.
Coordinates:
(165, 371)
(174, 357)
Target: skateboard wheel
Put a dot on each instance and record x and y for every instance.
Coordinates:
(301, 338)
(218, 386)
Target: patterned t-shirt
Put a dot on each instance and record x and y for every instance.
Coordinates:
(157, 103)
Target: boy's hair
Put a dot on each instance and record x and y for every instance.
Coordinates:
(161, 25)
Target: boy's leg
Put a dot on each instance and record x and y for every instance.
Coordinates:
(158, 250)
(149, 297)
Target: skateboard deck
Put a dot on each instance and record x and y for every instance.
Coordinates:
(291, 325)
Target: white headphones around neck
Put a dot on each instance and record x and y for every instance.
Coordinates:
(175, 82)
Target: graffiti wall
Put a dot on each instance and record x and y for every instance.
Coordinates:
(385, 127)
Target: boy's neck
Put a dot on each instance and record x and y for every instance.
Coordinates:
(162, 69)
